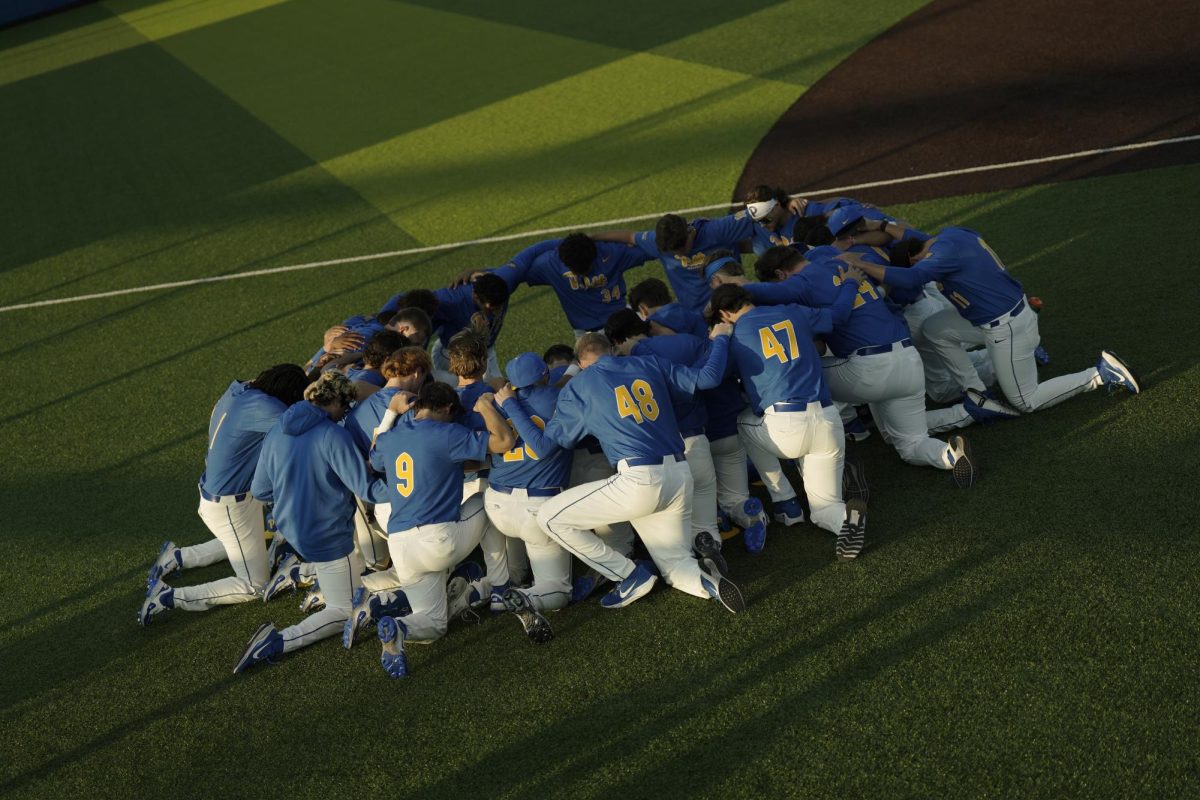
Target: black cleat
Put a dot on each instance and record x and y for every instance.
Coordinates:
(966, 468)
(537, 627)
(850, 538)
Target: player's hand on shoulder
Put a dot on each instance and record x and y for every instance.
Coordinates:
(504, 394)
(465, 277)
(401, 402)
(797, 205)
(484, 402)
(346, 343)
(851, 273)
(332, 334)
(721, 329)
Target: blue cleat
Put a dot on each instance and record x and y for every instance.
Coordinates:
(1116, 373)
(1041, 356)
(985, 408)
(469, 570)
(169, 561)
(265, 645)
(285, 577)
(159, 598)
(637, 585)
(392, 633)
(586, 584)
(788, 512)
(754, 537)
(496, 599)
(856, 430)
(724, 523)
(359, 619)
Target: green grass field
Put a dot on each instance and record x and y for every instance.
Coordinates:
(1035, 636)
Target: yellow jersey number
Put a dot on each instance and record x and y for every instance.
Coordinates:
(636, 400)
(772, 347)
(866, 290)
(520, 452)
(404, 474)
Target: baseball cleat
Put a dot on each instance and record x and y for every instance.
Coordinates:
(1116, 373)
(467, 569)
(458, 600)
(705, 545)
(1041, 355)
(721, 588)
(496, 600)
(168, 561)
(159, 598)
(392, 633)
(856, 430)
(754, 537)
(724, 523)
(313, 601)
(963, 465)
(587, 583)
(359, 619)
(850, 538)
(854, 480)
(537, 627)
(265, 645)
(285, 578)
(984, 408)
(637, 585)
(788, 512)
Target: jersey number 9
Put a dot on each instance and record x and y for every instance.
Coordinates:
(636, 400)
(404, 474)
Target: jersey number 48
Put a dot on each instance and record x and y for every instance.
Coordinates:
(636, 400)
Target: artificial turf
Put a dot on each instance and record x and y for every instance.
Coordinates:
(1035, 636)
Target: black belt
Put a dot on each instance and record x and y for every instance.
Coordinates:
(881, 348)
(791, 405)
(212, 498)
(551, 492)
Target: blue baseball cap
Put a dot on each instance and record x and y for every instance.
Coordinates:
(680, 320)
(843, 218)
(525, 370)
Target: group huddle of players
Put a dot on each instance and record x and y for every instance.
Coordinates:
(378, 469)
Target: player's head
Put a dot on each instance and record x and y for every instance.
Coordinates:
(333, 393)
(423, 299)
(649, 295)
(467, 353)
(527, 369)
(578, 252)
(558, 355)
(284, 382)
(729, 302)
(767, 206)
(382, 345)
(907, 251)
(437, 401)
(408, 366)
(803, 226)
(590, 347)
(845, 222)
(490, 291)
(724, 270)
(413, 323)
(624, 325)
(818, 235)
(778, 263)
(671, 234)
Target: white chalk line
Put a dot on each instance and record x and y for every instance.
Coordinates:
(508, 237)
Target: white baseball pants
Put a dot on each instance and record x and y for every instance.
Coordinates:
(893, 384)
(422, 558)
(1010, 345)
(240, 530)
(589, 467)
(515, 516)
(697, 452)
(370, 538)
(339, 579)
(203, 554)
(815, 437)
(733, 486)
(940, 384)
(656, 499)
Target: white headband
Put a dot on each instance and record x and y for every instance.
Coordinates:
(760, 210)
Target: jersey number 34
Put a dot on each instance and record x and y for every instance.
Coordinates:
(636, 400)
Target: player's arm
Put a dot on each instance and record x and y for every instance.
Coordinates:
(348, 464)
(400, 404)
(500, 435)
(840, 310)
(688, 380)
(262, 486)
(562, 432)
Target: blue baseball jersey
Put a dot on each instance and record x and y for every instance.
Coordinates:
(367, 375)
(468, 395)
(623, 402)
(686, 272)
(774, 354)
(681, 348)
(236, 428)
(523, 467)
(968, 273)
(422, 460)
(361, 324)
(870, 323)
(783, 235)
(587, 300)
(457, 310)
(364, 418)
(817, 208)
(681, 319)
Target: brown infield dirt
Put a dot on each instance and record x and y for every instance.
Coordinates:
(963, 83)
